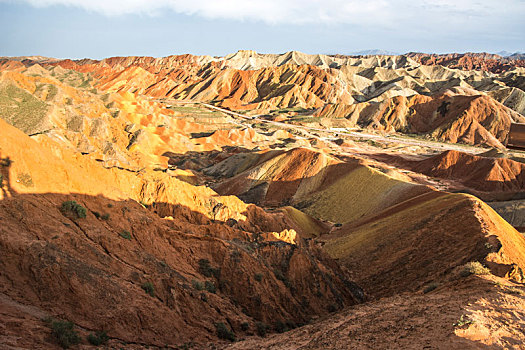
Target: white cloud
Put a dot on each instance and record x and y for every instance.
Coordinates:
(381, 12)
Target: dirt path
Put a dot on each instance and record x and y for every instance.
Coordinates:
(385, 139)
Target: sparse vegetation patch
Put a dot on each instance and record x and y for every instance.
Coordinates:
(98, 338)
(207, 270)
(223, 332)
(72, 208)
(125, 234)
(148, 288)
(64, 332)
(463, 321)
(474, 268)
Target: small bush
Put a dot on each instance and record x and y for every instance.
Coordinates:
(198, 285)
(105, 217)
(474, 268)
(25, 179)
(73, 208)
(64, 333)
(207, 270)
(261, 328)
(430, 287)
(463, 321)
(210, 287)
(99, 338)
(245, 326)
(204, 297)
(110, 205)
(223, 332)
(148, 288)
(258, 277)
(97, 214)
(125, 234)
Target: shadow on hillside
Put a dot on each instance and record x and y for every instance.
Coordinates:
(424, 218)
(95, 261)
(5, 180)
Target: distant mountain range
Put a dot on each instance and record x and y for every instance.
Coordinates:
(514, 55)
(374, 52)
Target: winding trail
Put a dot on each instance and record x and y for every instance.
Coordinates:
(436, 145)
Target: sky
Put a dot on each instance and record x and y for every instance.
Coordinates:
(104, 28)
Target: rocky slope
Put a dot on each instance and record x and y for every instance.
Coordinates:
(73, 267)
(190, 225)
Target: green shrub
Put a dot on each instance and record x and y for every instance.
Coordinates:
(148, 288)
(198, 285)
(474, 268)
(258, 277)
(97, 214)
(245, 326)
(223, 332)
(125, 234)
(210, 287)
(73, 208)
(105, 217)
(99, 338)
(207, 270)
(64, 333)
(261, 328)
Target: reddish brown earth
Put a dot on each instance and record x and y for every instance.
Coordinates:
(479, 173)
(359, 245)
(487, 177)
(418, 321)
(469, 61)
(74, 268)
(475, 120)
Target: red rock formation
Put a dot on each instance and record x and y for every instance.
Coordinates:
(469, 61)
